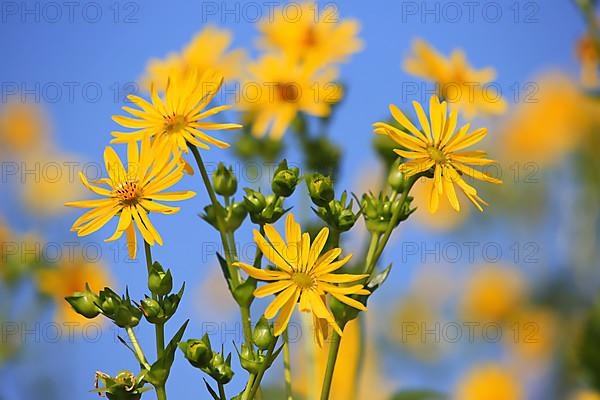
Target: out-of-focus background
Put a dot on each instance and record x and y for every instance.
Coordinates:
(500, 299)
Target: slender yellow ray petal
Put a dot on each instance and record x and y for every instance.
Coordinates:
(318, 307)
(349, 301)
(261, 274)
(449, 188)
(131, 241)
(279, 301)
(475, 173)
(325, 268)
(125, 221)
(286, 314)
(405, 122)
(317, 247)
(422, 119)
(341, 278)
(270, 252)
(272, 288)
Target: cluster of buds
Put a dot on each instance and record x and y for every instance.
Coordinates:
(200, 355)
(121, 310)
(378, 211)
(263, 209)
(338, 214)
(263, 337)
(161, 307)
(124, 386)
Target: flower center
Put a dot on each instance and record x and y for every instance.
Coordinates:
(175, 123)
(436, 155)
(128, 192)
(310, 37)
(303, 280)
(288, 92)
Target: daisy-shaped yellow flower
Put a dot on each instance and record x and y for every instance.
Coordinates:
(131, 192)
(178, 118)
(208, 50)
(303, 275)
(441, 147)
(279, 88)
(314, 36)
(465, 87)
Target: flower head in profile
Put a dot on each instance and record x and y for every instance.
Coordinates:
(278, 89)
(208, 50)
(303, 275)
(314, 36)
(465, 87)
(441, 148)
(178, 119)
(131, 192)
(68, 277)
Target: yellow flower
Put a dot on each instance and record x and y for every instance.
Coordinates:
(22, 127)
(493, 293)
(207, 51)
(489, 382)
(302, 275)
(132, 193)
(586, 395)
(441, 147)
(589, 57)
(278, 89)
(551, 125)
(535, 336)
(70, 277)
(46, 193)
(315, 37)
(456, 81)
(178, 118)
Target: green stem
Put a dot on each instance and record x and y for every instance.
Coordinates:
(247, 324)
(248, 386)
(222, 392)
(159, 329)
(395, 217)
(371, 252)
(234, 273)
(139, 353)
(261, 372)
(334, 348)
(287, 368)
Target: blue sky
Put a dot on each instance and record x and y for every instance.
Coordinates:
(55, 52)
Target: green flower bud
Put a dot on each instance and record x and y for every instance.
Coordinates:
(244, 293)
(378, 211)
(197, 352)
(285, 179)
(160, 282)
(250, 361)
(254, 201)
(85, 303)
(396, 178)
(224, 181)
(108, 301)
(170, 304)
(220, 369)
(338, 214)
(272, 212)
(152, 311)
(125, 386)
(262, 336)
(343, 313)
(236, 214)
(320, 188)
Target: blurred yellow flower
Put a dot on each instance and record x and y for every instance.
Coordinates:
(489, 382)
(46, 192)
(550, 126)
(467, 89)
(132, 192)
(303, 275)
(533, 334)
(68, 277)
(207, 51)
(589, 57)
(22, 127)
(316, 37)
(177, 119)
(493, 293)
(278, 89)
(586, 395)
(441, 147)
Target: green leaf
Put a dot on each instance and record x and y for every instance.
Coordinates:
(379, 279)
(159, 371)
(418, 395)
(211, 390)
